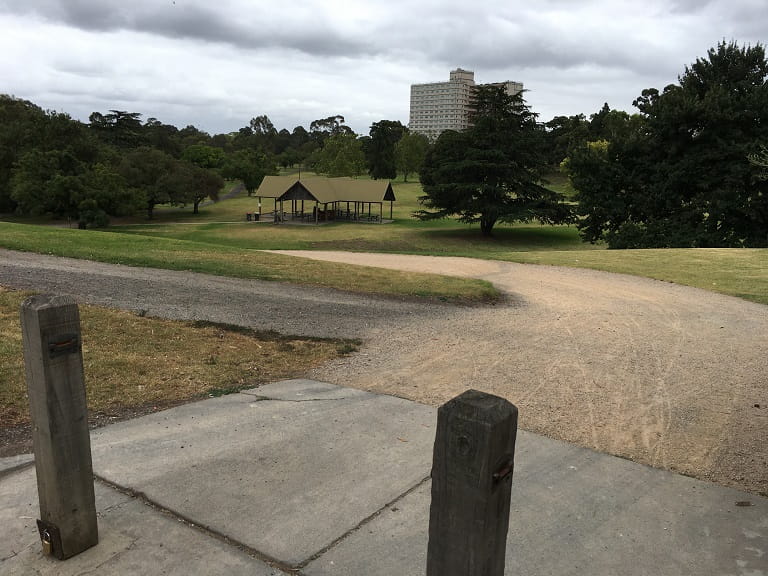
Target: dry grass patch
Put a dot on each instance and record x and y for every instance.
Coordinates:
(135, 365)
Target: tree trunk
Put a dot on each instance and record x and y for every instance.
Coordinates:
(486, 225)
(196, 204)
(150, 210)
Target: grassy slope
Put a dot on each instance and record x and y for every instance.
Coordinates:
(736, 272)
(139, 250)
(220, 241)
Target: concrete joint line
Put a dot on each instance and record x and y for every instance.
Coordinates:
(256, 398)
(361, 524)
(16, 468)
(12, 555)
(205, 530)
(98, 568)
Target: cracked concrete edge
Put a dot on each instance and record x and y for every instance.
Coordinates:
(202, 529)
(13, 464)
(135, 537)
(304, 390)
(365, 521)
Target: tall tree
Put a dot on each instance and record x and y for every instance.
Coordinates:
(342, 155)
(208, 157)
(250, 166)
(326, 127)
(410, 152)
(684, 177)
(21, 130)
(380, 149)
(186, 183)
(490, 173)
(564, 133)
(190, 135)
(205, 184)
(162, 136)
(48, 182)
(149, 172)
(118, 128)
(262, 125)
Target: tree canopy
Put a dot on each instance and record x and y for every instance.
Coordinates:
(490, 172)
(341, 155)
(380, 148)
(410, 152)
(681, 176)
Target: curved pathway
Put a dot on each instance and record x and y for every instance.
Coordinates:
(670, 376)
(667, 375)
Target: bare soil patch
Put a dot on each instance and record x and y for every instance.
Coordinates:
(666, 375)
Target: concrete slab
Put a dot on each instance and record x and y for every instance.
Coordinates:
(281, 476)
(577, 512)
(302, 390)
(395, 542)
(134, 539)
(334, 482)
(12, 463)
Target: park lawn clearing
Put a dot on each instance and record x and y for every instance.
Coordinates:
(740, 272)
(173, 254)
(135, 365)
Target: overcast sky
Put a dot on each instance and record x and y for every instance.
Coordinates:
(218, 64)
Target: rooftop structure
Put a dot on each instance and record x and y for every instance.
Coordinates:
(320, 199)
(440, 106)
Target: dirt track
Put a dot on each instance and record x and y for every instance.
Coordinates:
(667, 375)
(670, 376)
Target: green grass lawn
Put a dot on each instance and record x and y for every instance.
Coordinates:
(741, 272)
(220, 241)
(174, 254)
(225, 224)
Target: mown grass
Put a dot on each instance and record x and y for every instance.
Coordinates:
(224, 224)
(132, 362)
(220, 241)
(740, 272)
(174, 254)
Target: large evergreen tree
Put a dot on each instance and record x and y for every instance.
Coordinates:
(684, 178)
(380, 148)
(490, 173)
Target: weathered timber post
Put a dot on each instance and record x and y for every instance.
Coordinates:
(472, 468)
(54, 369)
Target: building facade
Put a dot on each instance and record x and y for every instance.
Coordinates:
(440, 106)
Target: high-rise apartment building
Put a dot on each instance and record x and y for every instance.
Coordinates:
(440, 106)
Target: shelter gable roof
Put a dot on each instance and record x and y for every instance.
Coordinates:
(328, 190)
(275, 186)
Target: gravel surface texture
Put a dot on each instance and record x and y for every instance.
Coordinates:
(667, 375)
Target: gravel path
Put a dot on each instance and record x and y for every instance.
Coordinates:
(286, 308)
(667, 375)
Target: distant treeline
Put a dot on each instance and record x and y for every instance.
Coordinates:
(117, 164)
(689, 169)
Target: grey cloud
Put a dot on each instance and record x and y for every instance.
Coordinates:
(451, 32)
(688, 6)
(521, 40)
(185, 19)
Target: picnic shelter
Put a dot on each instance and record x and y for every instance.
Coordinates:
(318, 199)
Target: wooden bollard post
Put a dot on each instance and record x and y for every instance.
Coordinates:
(54, 369)
(471, 485)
